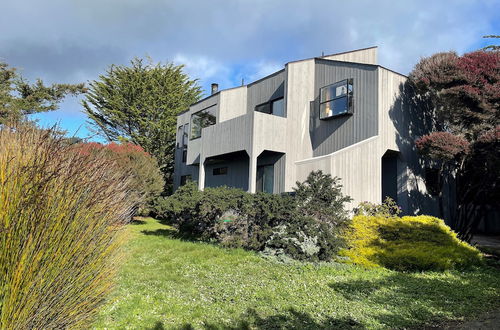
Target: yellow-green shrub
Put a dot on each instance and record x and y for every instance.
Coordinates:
(60, 226)
(407, 243)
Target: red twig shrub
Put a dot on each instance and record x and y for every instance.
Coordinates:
(146, 180)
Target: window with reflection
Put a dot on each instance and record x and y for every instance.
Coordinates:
(274, 107)
(202, 119)
(179, 137)
(185, 134)
(336, 99)
(220, 171)
(278, 107)
(265, 108)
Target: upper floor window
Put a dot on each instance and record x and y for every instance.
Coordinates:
(278, 107)
(202, 119)
(185, 133)
(179, 137)
(336, 99)
(275, 107)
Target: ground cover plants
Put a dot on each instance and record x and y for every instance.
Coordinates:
(173, 283)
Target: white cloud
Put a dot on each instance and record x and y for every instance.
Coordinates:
(225, 41)
(263, 68)
(206, 69)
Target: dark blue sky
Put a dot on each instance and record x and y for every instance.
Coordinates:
(224, 41)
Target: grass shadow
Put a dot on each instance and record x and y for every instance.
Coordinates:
(290, 319)
(137, 221)
(171, 233)
(435, 294)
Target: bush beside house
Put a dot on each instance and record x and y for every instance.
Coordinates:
(313, 225)
(407, 244)
(304, 227)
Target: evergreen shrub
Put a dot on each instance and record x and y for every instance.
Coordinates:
(410, 243)
(306, 226)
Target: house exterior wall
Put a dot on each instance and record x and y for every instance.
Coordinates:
(237, 174)
(336, 133)
(299, 91)
(265, 90)
(232, 103)
(350, 146)
(366, 56)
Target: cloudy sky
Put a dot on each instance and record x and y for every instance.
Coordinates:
(226, 41)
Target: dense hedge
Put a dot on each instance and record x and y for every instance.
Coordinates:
(407, 243)
(306, 226)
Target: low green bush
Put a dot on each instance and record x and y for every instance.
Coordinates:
(407, 244)
(305, 227)
(388, 208)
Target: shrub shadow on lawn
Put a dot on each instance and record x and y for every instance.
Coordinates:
(137, 221)
(170, 233)
(410, 299)
(291, 319)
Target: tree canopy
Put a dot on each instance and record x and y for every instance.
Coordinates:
(139, 103)
(465, 95)
(19, 98)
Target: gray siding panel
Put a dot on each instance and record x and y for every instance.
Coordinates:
(181, 169)
(333, 134)
(267, 89)
(237, 174)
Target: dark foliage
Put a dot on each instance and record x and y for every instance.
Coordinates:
(306, 226)
(464, 95)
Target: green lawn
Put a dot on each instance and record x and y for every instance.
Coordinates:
(169, 283)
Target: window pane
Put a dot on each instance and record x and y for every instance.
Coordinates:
(265, 108)
(185, 135)
(332, 91)
(185, 179)
(179, 137)
(195, 127)
(219, 171)
(268, 179)
(340, 106)
(278, 107)
(335, 107)
(265, 178)
(202, 119)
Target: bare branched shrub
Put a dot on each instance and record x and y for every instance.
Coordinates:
(61, 217)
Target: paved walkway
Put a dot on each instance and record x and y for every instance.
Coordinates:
(489, 321)
(489, 244)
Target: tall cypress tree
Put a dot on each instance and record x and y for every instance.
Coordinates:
(140, 103)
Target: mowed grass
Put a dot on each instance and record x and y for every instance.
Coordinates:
(170, 283)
